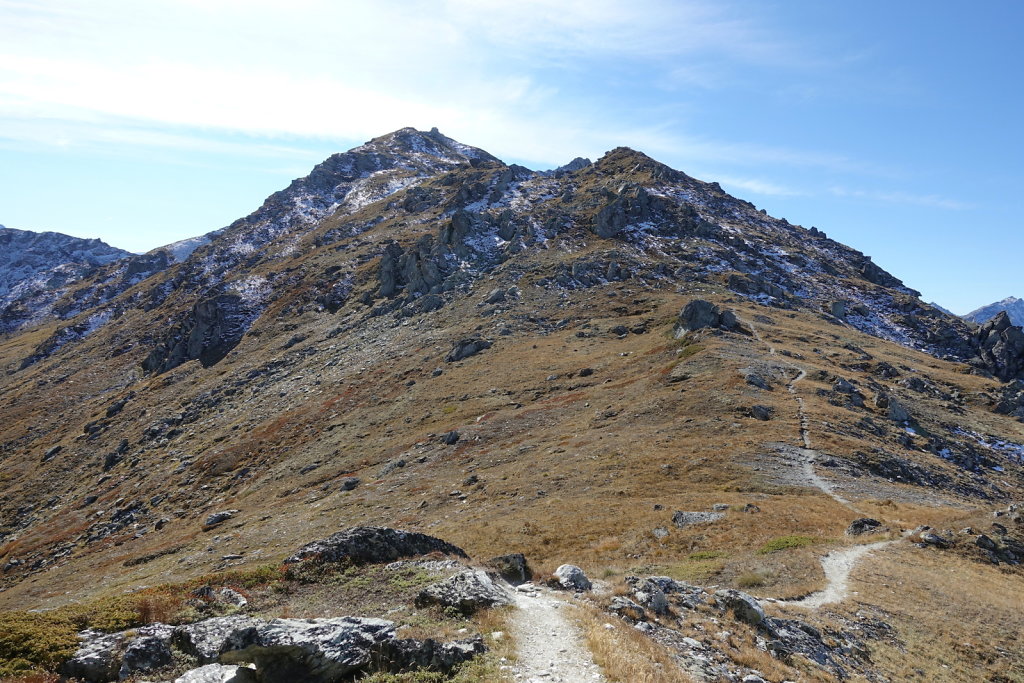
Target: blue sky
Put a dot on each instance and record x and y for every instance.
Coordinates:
(895, 127)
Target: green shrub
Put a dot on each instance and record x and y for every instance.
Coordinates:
(785, 543)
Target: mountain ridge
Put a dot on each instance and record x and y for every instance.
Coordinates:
(572, 365)
(1013, 306)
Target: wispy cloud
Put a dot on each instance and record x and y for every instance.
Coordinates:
(757, 186)
(900, 197)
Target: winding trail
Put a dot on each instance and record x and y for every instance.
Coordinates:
(808, 454)
(838, 564)
(550, 647)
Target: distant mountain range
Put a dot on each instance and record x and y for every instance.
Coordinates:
(1013, 306)
(36, 269)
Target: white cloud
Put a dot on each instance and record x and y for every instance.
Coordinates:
(757, 186)
(900, 197)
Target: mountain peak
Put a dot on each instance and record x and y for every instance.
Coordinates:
(1013, 307)
(410, 143)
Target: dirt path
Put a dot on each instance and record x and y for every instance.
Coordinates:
(549, 645)
(837, 565)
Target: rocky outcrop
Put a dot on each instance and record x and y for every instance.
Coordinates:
(699, 314)
(1001, 347)
(631, 204)
(466, 348)
(207, 333)
(468, 591)
(368, 544)
(98, 657)
(513, 568)
(311, 649)
(205, 640)
(243, 649)
(745, 607)
(219, 673)
(864, 525)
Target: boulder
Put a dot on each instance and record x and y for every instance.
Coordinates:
(864, 525)
(626, 608)
(761, 412)
(98, 657)
(513, 568)
(148, 651)
(369, 544)
(496, 296)
(682, 518)
(896, 412)
(219, 517)
(468, 591)
(315, 650)
(466, 348)
(571, 577)
(205, 640)
(219, 673)
(745, 607)
(699, 314)
(408, 654)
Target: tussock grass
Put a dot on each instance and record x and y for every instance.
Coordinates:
(625, 654)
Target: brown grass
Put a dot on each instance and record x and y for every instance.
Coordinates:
(625, 654)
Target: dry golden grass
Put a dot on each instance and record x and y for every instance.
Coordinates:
(624, 654)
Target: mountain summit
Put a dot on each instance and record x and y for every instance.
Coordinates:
(1013, 306)
(612, 365)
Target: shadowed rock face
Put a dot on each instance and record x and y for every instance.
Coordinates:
(1002, 347)
(361, 545)
(209, 331)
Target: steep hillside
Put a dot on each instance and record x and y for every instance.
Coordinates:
(1013, 307)
(562, 364)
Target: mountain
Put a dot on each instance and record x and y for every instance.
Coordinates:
(1013, 306)
(36, 269)
(612, 365)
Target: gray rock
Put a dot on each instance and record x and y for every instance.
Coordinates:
(232, 597)
(864, 525)
(219, 517)
(760, 412)
(205, 640)
(496, 296)
(571, 577)
(699, 314)
(984, 542)
(466, 348)
(369, 544)
(148, 651)
(649, 594)
(626, 608)
(219, 673)
(349, 483)
(98, 657)
(407, 654)
(896, 412)
(312, 649)
(513, 568)
(207, 333)
(933, 539)
(745, 607)
(468, 591)
(682, 518)
(450, 438)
